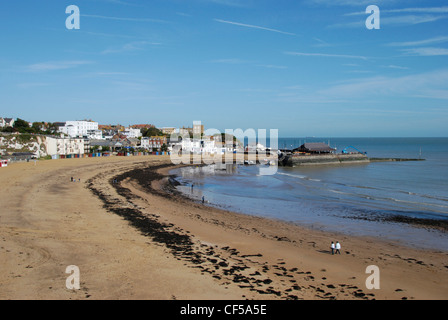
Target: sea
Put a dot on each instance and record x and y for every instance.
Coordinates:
(352, 199)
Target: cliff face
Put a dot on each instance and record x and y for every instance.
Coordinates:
(307, 160)
(23, 143)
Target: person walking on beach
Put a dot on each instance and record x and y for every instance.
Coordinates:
(338, 247)
(332, 247)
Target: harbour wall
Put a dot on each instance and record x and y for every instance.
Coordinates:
(327, 159)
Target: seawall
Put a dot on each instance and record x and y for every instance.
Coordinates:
(327, 159)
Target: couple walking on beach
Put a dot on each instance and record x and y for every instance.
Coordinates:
(335, 248)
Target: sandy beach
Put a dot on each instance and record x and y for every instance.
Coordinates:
(134, 239)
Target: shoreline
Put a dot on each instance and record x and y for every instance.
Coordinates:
(132, 240)
(428, 224)
(160, 185)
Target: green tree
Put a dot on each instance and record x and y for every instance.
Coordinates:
(9, 130)
(152, 132)
(37, 127)
(94, 149)
(22, 126)
(51, 128)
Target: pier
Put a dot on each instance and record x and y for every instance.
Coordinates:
(321, 154)
(295, 160)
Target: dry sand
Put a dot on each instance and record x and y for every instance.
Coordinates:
(132, 240)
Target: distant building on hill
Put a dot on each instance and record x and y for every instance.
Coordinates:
(168, 130)
(6, 122)
(142, 126)
(185, 131)
(198, 129)
(79, 128)
(132, 133)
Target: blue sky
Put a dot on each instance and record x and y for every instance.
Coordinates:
(305, 67)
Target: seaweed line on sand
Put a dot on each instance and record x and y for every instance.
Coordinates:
(225, 264)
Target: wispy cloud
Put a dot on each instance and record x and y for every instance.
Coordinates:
(429, 85)
(404, 20)
(401, 16)
(426, 51)
(321, 43)
(346, 2)
(391, 66)
(32, 85)
(229, 3)
(237, 61)
(120, 2)
(123, 18)
(326, 55)
(110, 35)
(56, 65)
(106, 74)
(136, 85)
(271, 66)
(183, 14)
(230, 61)
(411, 19)
(129, 47)
(419, 10)
(434, 40)
(440, 10)
(424, 85)
(254, 27)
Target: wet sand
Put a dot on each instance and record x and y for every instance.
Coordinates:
(137, 239)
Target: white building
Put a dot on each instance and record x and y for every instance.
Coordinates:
(6, 122)
(95, 135)
(198, 129)
(78, 128)
(168, 130)
(132, 133)
(64, 146)
(203, 146)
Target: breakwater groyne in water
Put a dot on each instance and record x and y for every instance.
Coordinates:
(393, 159)
(296, 160)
